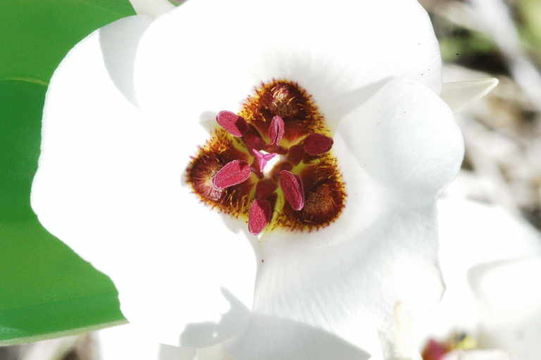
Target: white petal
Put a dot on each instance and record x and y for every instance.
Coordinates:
(216, 352)
(119, 42)
(208, 55)
(128, 342)
(510, 299)
(472, 234)
(271, 338)
(498, 286)
(153, 8)
(477, 355)
(406, 138)
(462, 93)
(351, 288)
(109, 185)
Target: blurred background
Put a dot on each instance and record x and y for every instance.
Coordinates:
(478, 39)
(481, 38)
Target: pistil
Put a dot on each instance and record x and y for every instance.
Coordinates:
(262, 159)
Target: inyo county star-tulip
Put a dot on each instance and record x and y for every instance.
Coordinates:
(258, 176)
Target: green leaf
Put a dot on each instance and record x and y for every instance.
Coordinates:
(36, 34)
(45, 289)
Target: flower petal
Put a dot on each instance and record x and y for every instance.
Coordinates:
(511, 306)
(335, 52)
(109, 184)
(472, 234)
(271, 338)
(153, 8)
(406, 138)
(127, 342)
(352, 286)
(477, 355)
(462, 93)
(119, 42)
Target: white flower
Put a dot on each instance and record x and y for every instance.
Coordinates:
(109, 182)
(489, 261)
(477, 355)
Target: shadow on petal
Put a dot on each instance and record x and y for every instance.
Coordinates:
(347, 102)
(168, 352)
(271, 338)
(233, 322)
(119, 42)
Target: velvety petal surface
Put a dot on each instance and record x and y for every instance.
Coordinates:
(336, 52)
(110, 185)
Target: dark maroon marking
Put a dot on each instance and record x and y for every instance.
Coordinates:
(265, 188)
(252, 139)
(296, 154)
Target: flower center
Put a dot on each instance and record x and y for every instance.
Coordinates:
(271, 163)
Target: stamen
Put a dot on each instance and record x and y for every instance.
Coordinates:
(234, 124)
(259, 216)
(293, 190)
(316, 144)
(262, 159)
(276, 130)
(233, 173)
